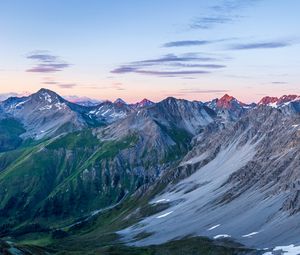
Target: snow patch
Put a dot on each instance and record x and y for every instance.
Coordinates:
(161, 201)
(222, 236)
(213, 227)
(250, 234)
(287, 250)
(164, 215)
(46, 107)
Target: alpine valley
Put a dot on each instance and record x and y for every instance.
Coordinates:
(172, 177)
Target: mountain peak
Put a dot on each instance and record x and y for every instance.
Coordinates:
(227, 97)
(268, 100)
(47, 95)
(287, 98)
(120, 101)
(145, 102)
(44, 90)
(225, 101)
(275, 101)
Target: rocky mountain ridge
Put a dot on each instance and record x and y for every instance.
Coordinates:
(221, 169)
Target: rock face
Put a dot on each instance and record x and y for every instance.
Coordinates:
(241, 182)
(279, 102)
(83, 171)
(144, 103)
(43, 114)
(46, 114)
(230, 170)
(229, 108)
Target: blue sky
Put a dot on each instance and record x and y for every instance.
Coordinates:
(135, 49)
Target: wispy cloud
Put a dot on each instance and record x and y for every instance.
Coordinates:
(118, 86)
(187, 57)
(172, 73)
(50, 81)
(67, 85)
(226, 11)
(187, 91)
(260, 45)
(42, 57)
(46, 63)
(186, 43)
(279, 82)
(209, 22)
(211, 66)
(203, 91)
(171, 65)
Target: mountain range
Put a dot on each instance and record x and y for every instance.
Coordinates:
(149, 176)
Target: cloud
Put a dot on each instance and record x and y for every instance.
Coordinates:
(226, 11)
(46, 63)
(186, 43)
(260, 45)
(117, 86)
(185, 92)
(279, 82)
(172, 73)
(50, 82)
(67, 85)
(209, 22)
(187, 57)
(49, 68)
(203, 91)
(124, 69)
(158, 73)
(171, 65)
(212, 66)
(43, 57)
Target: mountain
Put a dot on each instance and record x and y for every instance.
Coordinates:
(119, 102)
(240, 182)
(144, 103)
(84, 101)
(289, 103)
(86, 170)
(108, 112)
(46, 114)
(220, 176)
(229, 108)
(43, 114)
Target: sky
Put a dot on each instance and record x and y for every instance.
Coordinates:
(133, 49)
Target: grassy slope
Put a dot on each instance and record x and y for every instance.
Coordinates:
(42, 162)
(10, 130)
(98, 235)
(47, 180)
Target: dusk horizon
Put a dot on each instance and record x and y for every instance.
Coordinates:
(162, 127)
(195, 51)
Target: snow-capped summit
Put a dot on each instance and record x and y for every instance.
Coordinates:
(43, 113)
(268, 100)
(228, 107)
(287, 99)
(278, 102)
(144, 103)
(120, 102)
